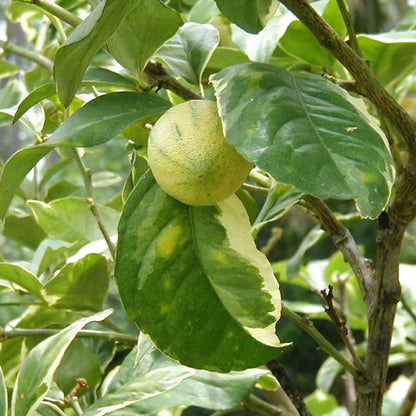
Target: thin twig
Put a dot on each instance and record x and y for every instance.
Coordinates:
(43, 61)
(255, 188)
(7, 334)
(287, 385)
(345, 243)
(346, 15)
(256, 404)
(409, 401)
(308, 326)
(341, 327)
(56, 10)
(86, 176)
(408, 308)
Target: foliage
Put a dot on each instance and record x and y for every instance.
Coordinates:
(182, 305)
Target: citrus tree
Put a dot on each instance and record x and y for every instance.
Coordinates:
(216, 189)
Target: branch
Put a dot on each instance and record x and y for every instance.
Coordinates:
(159, 76)
(56, 10)
(325, 345)
(359, 69)
(43, 61)
(7, 334)
(255, 404)
(345, 243)
(287, 385)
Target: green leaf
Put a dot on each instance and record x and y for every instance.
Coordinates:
(392, 55)
(215, 391)
(321, 403)
(12, 274)
(3, 395)
(103, 76)
(74, 56)
(15, 170)
(193, 280)
(250, 15)
(70, 219)
(279, 200)
(34, 97)
(79, 286)
(189, 51)
(23, 229)
(106, 116)
(142, 33)
(36, 374)
(306, 132)
(7, 69)
(327, 373)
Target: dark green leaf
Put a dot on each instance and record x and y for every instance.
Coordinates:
(306, 132)
(70, 219)
(61, 189)
(23, 229)
(189, 51)
(250, 15)
(193, 280)
(103, 76)
(74, 56)
(214, 390)
(106, 116)
(79, 286)
(142, 32)
(36, 374)
(12, 274)
(15, 170)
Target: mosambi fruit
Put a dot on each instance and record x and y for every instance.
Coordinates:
(190, 157)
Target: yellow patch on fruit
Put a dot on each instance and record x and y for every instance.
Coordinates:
(190, 157)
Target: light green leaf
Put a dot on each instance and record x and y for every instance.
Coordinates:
(306, 132)
(23, 229)
(250, 15)
(79, 286)
(7, 69)
(34, 97)
(279, 200)
(203, 11)
(299, 41)
(392, 55)
(36, 374)
(192, 387)
(13, 274)
(3, 395)
(327, 373)
(75, 54)
(142, 33)
(189, 51)
(15, 170)
(193, 280)
(260, 47)
(105, 117)
(48, 252)
(70, 219)
(321, 403)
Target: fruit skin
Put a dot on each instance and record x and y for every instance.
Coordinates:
(190, 157)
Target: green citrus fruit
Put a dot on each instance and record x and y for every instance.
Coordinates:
(190, 157)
